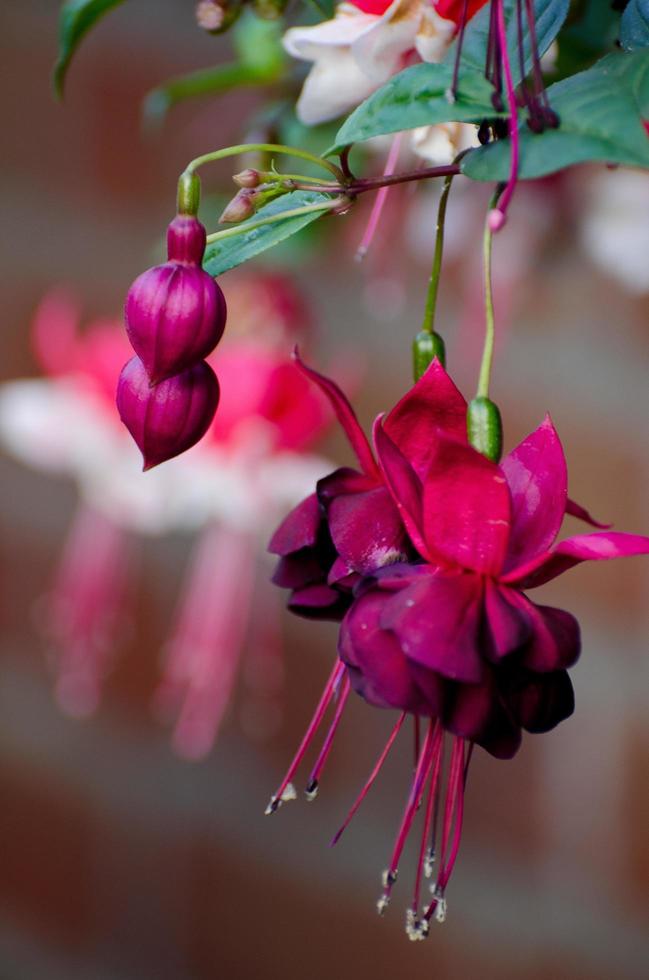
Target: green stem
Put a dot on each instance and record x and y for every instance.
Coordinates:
(490, 333)
(433, 285)
(245, 226)
(232, 151)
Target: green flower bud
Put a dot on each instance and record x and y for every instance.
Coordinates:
(427, 346)
(485, 427)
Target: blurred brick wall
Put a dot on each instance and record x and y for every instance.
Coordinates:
(118, 861)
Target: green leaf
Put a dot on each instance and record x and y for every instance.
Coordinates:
(230, 252)
(590, 32)
(205, 81)
(417, 96)
(634, 32)
(325, 8)
(75, 20)
(601, 112)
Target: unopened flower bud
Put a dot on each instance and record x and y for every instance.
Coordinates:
(485, 427)
(216, 16)
(168, 418)
(496, 219)
(427, 346)
(241, 206)
(176, 312)
(247, 178)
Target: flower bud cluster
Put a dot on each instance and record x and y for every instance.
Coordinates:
(175, 316)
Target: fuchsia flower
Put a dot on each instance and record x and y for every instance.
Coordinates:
(428, 551)
(254, 462)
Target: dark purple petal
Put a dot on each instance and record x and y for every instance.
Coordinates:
(572, 551)
(507, 627)
(319, 602)
(404, 485)
(437, 623)
(345, 415)
(186, 239)
(366, 530)
(540, 701)
(467, 508)
(379, 671)
(555, 641)
(175, 316)
(538, 481)
(432, 404)
(576, 510)
(170, 417)
(299, 529)
(298, 570)
(476, 712)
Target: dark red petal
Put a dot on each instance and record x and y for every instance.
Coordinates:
(404, 485)
(345, 415)
(555, 642)
(475, 712)
(576, 510)
(538, 481)
(433, 404)
(319, 602)
(467, 508)
(572, 551)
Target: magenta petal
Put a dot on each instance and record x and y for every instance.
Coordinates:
(170, 417)
(572, 551)
(538, 482)
(433, 403)
(299, 529)
(508, 627)
(555, 641)
(345, 415)
(404, 485)
(379, 670)
(475, 712)
(437, 623)
(466, 508)
(539, 702)
(576, 510)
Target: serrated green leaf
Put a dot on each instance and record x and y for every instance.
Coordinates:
(75, 20)
(230, 252)
(601, 112)
(634, 26)
(417, 96)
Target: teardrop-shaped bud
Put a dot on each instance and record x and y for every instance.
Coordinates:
(168, 418)
(485, 427)
(176, 313)
(427, 346)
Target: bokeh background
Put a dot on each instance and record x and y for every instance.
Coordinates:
(119, 861)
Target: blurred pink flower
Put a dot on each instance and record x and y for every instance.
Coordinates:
(252, 465)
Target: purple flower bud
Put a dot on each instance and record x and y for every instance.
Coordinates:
(168, 418)
(175, 313)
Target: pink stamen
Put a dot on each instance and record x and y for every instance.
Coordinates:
(498, 215)
(417, 738)
(372, 777)
(428, 820)
(314, 778)
(379, 200)
(426, 759)
(285, 790)
(454, 812)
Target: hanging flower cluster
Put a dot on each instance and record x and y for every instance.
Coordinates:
(426, 552)
(175, 316)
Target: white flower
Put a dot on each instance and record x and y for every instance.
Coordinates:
(355, 53)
